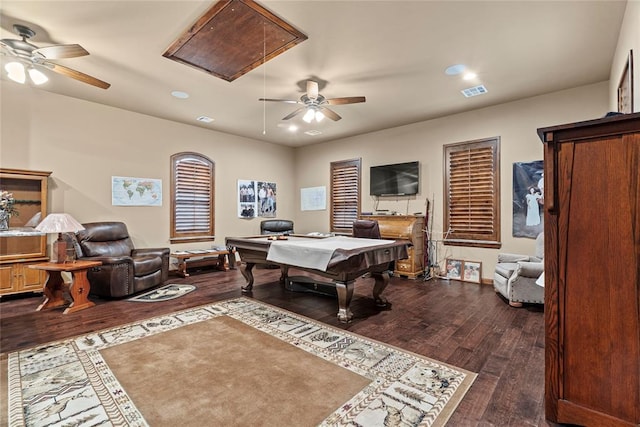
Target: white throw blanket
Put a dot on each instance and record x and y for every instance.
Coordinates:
(316, 253)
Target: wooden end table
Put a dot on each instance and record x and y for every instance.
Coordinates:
(55, 287)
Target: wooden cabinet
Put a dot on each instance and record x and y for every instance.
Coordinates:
(21, 244)
(592, 271)
(404, 227)
(18, 277)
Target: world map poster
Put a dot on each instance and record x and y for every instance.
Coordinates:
(127, 191)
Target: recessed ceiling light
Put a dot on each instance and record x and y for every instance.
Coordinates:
(180, 95)
(204, 119)
(454, 70)
(469, 75)
(293, 128)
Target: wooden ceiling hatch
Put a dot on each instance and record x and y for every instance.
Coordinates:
(232, 38)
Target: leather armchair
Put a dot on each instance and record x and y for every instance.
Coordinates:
(276, 226)
(515, 276)
(369, 229)
(366, 229)
(125, 270)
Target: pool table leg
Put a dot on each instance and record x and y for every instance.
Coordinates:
(248, 275)
(345, 293)
(381, 282)
(284, 273)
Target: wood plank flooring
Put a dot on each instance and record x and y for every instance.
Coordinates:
(464, 324)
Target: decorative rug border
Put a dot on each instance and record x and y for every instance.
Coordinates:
(47, 380)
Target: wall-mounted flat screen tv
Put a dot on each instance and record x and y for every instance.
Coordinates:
(400, 179)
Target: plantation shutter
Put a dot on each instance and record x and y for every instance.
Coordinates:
(192, 198)
(472, 193)
(345, 195)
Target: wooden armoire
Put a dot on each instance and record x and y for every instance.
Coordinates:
(592, 271)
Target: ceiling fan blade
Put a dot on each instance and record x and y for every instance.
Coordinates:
(312, 89)
(295, 113)
(7, 48)
(346, 100)
(330, 113)
(61, 51)
(74, 74)
(288, 101)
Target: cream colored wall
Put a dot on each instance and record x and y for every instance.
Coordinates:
(628, 39)
(84, 144)
(515, 123)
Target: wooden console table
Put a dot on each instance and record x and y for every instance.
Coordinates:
(54, 288)
(221, 259)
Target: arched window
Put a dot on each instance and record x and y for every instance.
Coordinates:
(192, 198)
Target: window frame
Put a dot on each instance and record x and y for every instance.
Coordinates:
(176, 236)
(486, 232)
(340, 167)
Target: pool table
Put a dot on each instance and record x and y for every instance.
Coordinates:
(350, 259)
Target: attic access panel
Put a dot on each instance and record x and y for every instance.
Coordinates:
(232, 38)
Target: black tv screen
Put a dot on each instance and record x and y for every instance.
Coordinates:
(400, 179)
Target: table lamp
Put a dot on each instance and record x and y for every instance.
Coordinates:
(59, 223)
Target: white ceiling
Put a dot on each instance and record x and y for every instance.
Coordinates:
(393, 52)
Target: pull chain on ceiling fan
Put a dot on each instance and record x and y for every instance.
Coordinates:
(315, 105)
(28, 57)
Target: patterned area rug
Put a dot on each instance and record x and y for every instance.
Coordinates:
(69, 383)
(163, 293)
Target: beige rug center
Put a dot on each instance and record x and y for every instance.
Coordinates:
(224, 372)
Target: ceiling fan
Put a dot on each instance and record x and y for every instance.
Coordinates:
(30, 56)
(315, 105)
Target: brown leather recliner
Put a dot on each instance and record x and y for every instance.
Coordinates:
(124, 270)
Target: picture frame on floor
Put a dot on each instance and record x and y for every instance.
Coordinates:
(472, 271)
(454, 268)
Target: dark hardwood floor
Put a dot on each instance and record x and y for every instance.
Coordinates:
(463, 324)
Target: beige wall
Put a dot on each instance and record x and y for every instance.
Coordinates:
(515, 123)
(628, 39)
(84, 144)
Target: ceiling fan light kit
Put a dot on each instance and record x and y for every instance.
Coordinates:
(37, 77)
(315, 104)
(16, 72)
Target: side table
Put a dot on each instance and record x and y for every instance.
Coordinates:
(54, 286)
(201, 258)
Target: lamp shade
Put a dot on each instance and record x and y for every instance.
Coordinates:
(15, 71)
(59, 223)
(37, 77)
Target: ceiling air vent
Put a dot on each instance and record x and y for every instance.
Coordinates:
(474, 91)
(313, 132)
(204, 119)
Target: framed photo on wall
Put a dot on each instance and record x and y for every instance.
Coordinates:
(472, 271)
(528, 198)
(625, 87)
(454, 269)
